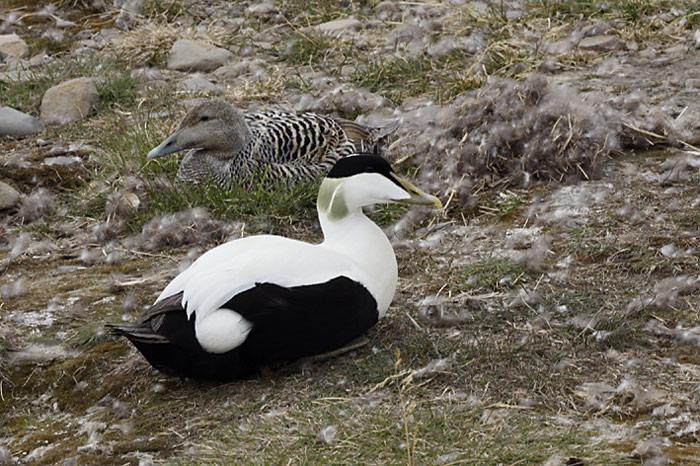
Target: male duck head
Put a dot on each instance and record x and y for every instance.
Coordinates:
(363, 180)
(214, 126)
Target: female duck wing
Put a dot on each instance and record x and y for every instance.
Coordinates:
(287, 136)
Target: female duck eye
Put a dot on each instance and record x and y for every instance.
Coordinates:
(204, 118)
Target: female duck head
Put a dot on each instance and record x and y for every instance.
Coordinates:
(363, 180)
(214, 126)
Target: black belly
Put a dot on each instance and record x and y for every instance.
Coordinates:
(287, 324)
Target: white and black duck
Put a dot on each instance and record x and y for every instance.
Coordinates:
(261, 300)
(227, 146)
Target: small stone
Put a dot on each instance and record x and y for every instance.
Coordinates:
(595, 29)
(697, 39)
(133, 7)
(146, 74)
(261, 9)
(338, 25)
(13, 45)
(692, 83)
(234, 70)
(9, 197)
(69, 101)
(195, 55)
(327, 434)
(199, 84)
(601, 43)
(62, 160)
(64, 23)
(16, 123)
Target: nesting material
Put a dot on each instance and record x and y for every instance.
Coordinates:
(13, 289)
(103, 233)
(186, 227)
(520, 133)
(666, 293)
(36, 205)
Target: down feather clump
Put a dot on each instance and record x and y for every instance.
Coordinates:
(520, 133)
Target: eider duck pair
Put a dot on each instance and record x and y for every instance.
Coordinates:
(261, 300)
(226, 146)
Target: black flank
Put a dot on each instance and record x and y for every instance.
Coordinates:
(288, 324)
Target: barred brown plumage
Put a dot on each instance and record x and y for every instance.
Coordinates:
(227, 146)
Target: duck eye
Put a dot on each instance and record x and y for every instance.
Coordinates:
(204, 118)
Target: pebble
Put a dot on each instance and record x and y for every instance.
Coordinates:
(601, 43)
(13, 45)
(16, 123)
(234, 70)
(195, 55)
(9, 197)
(199, 84)
(261, 9)
(69, 101)
(62, 160)
(338, 25)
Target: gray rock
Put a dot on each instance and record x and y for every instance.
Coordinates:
(602, 43)
(134, 7)
(146, 74)
(595, 29)
(199, 84)
(13, 45)
(62, 160)
(195, 55)
(693, 83)
(338, 25)
(69, 101)
(9, 197)
(234, 70)
(697, 39)
(15, 123)
(261, 9)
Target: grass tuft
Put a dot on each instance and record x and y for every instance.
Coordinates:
(268, 205)
(444, 78)
(308, 48)
(167, 10)
(493, 275)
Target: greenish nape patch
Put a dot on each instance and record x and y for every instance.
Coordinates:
(493, 274)
(331, 199)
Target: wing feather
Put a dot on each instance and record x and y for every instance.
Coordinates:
(235, 267)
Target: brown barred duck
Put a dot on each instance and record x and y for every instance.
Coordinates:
(226, 146)
(264, 300)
